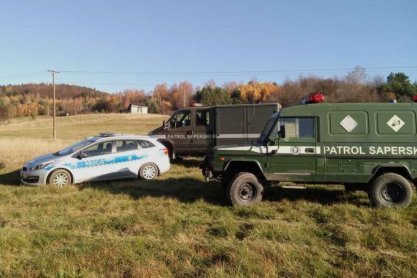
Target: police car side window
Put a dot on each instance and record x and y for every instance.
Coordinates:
(98, 149)
(298, 127)
(126, 145)
(143, 144)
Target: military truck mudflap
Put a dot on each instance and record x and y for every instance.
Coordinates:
(206, 169)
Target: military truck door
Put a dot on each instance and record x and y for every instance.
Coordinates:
(293, 158)
(179, 130)
(203, 131)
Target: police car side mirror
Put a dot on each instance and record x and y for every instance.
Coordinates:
(82, 155)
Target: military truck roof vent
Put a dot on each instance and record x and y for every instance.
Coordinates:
(316, 97)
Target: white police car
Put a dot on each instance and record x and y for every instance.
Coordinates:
(103, 157)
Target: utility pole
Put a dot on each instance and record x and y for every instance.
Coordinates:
(53, 72)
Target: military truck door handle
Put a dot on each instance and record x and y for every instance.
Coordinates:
(309, 150)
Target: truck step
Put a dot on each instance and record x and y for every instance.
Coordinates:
(294, 187)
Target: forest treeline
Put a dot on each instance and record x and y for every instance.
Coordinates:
(36, 99)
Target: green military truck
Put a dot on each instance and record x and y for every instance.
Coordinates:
(369, 146)
(197, 130)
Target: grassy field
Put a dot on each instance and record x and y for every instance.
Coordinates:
(178, 225)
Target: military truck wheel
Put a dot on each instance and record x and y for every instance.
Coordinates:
(60, 178)
(244, 190)
(390, 190)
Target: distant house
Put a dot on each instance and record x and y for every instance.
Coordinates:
(136, 109)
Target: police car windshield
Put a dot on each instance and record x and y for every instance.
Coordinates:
(75, 147)
(267, 130)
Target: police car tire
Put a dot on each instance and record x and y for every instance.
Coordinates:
(379, 188)
(244, 190)
(60, 175)
(145, 174)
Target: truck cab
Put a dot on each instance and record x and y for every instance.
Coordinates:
(197, 130)
(368, 146)
(188, 130)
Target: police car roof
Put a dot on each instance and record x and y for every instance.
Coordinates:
(113, 136)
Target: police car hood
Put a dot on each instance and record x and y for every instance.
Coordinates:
(42, 159)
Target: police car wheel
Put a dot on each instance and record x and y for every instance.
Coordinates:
(148, 171)
(244, 190)
(390, 190)
(60, 178)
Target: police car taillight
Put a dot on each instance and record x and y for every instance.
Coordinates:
(316, 97)
(164, 151)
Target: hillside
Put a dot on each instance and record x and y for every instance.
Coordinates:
(181, 226)
(43, 90)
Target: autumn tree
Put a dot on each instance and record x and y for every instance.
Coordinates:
(162, 98)
(255, 92)
(210, 95)
(182, 94)
(400, 85)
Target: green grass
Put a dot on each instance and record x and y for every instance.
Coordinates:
(178, 225)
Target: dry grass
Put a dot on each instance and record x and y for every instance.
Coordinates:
(178, 225)
(15, 151)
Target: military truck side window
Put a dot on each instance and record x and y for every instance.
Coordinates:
(182, 118)
(202, 117)
(297, 127)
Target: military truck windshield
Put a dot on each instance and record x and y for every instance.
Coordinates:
(268, 129)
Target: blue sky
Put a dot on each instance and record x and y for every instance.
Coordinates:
(116, 45)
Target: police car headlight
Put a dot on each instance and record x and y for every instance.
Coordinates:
(39, 166)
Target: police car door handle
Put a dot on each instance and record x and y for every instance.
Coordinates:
(309, 150)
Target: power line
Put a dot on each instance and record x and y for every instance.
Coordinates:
(237, 72)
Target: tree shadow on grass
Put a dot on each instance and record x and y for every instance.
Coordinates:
(185, 190)
(10, 178)
(189, 162)
(190, 190)
(324, 195)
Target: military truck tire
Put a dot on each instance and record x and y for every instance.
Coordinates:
(60, 178)
(390, 190)
(244, 190)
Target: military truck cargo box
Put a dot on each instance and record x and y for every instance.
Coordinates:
(369, 146)
(196, 130)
